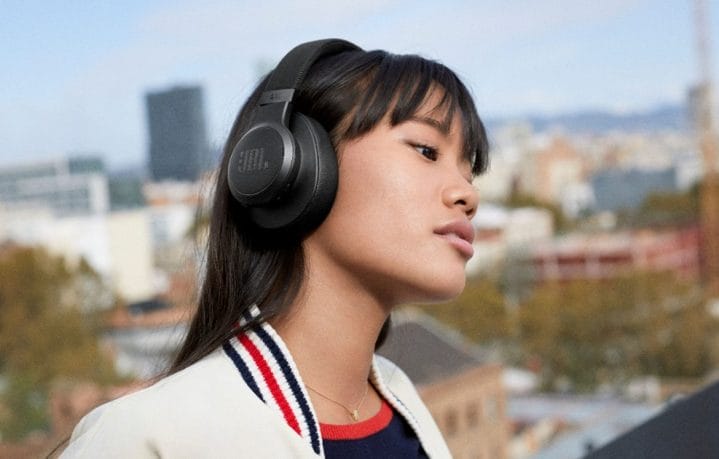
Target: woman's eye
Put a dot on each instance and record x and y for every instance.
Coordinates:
(426, 151)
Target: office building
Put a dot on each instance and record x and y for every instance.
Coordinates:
(177, 135)
(69, 186)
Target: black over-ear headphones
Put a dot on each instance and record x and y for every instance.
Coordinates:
(284, 169)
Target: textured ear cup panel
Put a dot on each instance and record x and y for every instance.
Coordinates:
(311, 195)
(262, 164)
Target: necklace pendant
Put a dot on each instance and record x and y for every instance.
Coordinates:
(355, 415)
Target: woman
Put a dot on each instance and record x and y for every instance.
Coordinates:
(312, 243)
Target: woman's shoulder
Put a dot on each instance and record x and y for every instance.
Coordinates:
(196, 406)
(196, 384)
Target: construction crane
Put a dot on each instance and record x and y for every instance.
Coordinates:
(709, 193)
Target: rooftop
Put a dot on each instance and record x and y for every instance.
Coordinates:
(425, 349)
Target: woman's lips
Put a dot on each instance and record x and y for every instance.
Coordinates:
(464, 247)
(460, 235)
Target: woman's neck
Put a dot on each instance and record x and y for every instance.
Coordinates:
(331, 330)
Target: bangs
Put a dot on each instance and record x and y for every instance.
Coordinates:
(400, 85)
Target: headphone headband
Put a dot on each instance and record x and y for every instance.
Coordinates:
(291, 70)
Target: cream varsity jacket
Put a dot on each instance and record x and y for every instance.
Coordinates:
(243, 400)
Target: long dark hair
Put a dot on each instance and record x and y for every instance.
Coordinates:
(349, 94)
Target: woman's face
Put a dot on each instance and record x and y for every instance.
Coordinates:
(399, 226)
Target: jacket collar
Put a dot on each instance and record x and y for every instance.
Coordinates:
(267, 368)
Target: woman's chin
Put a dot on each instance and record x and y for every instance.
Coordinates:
(444, 290)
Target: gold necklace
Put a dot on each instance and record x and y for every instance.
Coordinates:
(354, 414)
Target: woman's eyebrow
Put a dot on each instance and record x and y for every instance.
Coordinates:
(431, 122)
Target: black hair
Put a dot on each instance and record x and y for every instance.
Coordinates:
(349, 94)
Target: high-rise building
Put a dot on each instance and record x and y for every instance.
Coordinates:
(178, 137)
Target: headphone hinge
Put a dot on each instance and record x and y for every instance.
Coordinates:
(276, 96)
(275, 109)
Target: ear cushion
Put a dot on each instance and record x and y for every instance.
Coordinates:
(309, 199)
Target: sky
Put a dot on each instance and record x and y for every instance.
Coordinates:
(73, 76)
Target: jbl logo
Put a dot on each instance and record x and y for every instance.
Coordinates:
(252, 160)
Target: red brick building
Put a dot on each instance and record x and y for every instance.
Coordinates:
(601, 256)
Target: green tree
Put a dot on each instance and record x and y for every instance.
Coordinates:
(46, 332)
(687, 351)
(604, 331)
(479, 313)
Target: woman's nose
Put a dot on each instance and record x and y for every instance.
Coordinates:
(462, 194)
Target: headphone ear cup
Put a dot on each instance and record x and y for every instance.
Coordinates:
(309, 198)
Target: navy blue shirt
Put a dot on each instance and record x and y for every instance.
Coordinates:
(385, 434)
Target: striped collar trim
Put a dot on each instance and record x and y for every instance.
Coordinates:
(267, 367)
(265, 364)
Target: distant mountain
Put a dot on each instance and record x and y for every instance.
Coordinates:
(665, 117)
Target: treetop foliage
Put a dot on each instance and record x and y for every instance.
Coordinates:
(47, 332)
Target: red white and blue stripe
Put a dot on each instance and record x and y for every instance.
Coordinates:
(263, 361)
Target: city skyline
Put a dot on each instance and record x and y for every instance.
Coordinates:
(75, 76)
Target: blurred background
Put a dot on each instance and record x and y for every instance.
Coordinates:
(593, 297)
